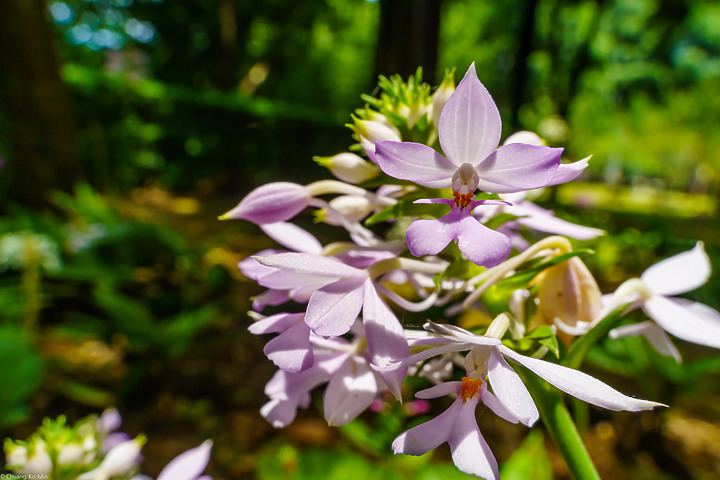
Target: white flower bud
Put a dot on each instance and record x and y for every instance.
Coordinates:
(38, 461)
(440, 98)
(352, 207)
(16, 456)
(349, 167)
(118, 461)
(72, 453)
(526, 137)
(370, 132)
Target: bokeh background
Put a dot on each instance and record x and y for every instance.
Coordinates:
(128, 126)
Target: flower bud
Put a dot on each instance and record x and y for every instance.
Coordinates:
(38, 461)
(72, 453)
(369, 132)
(526, 137)
(274, 202)
(352, 207)
(118, 461)
(568, 294)
(440, 97)
(349, 167)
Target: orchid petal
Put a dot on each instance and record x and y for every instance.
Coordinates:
(510, 390)
(281, 413)
(439, 390)
(188, 465)
(349, 393)
(497, 407)
(292, 237)
(567, 172)
(311, 265)
(284, 385)
(580, 385)
(270, 203)
(469, 128)
(429, 237)
(275, 323)
(333, 308)
(680, 273)
(481, 245)
(254, 270)
(269, 297)
(689, 321)
(291, 350)
(429, 435)
(385, 338)
(653, 333)
(543, 220)
(470, 452)
(517, 167)
(415, 162)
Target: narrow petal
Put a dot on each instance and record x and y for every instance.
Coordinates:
(492, 402)
(188, 465)
(273, 202)
(470, 452)
(481, 245)
(275, 323)
(284, 385)
(386, 339)
(653, 333)
(291, 350)
(429, 435)
(518, 167)
(680, 273)
(349, 393)
(469, 128)
(689, 321)
(311, 265)
(580, 385)
(415, 162)
(510, 390)
(292, 237)
(567, 172)
(281, 413)
(543, 220)
(333, 308)
(439, 390)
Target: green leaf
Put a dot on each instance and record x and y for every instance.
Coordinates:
(20, 375)
(530, 461)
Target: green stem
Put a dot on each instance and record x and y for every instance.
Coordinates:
(581, 345)
(559, 423)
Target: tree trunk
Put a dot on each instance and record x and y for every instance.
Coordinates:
(43, 151)
(408, 38)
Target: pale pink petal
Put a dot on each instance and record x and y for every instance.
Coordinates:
(689, 321)
(580, 385)
(273, 202)
(333, 308)
(275, 323)
(289, 279)
(510, 390)
(269, 297)
(284, 385)
(567, 172)
(680, 273)
(254, 270)
(291, 350)
(188, 465)
(281, 413)
(292, 237)
(481, 245)
(430, 237)
(415, 162)
(439, 390)
(470, 453)
(518, 167)
(349, 393)
(385, 338)
(429, 435)
(469, 128)
(543, 220)
(311, 265)
(653, 333)
(492, 402)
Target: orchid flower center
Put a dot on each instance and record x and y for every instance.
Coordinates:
(469, 388)
(464, 183)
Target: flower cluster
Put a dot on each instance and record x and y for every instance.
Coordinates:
(333, 309)
(93, 449)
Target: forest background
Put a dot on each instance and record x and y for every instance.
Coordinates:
(128, 126)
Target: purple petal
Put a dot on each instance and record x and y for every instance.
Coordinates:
(470, 453)
(469, 128)
(543, 220)
(429, 435)
(276, 323)
(517, 167)
(385, 337)
(269, 297)
(284, 385)
(429, 237)
(492, 402)
(274, 202)
(680, 273)
(415, 162)
(567, 172)
(333, 309)
(580, 385)
(188, 465)
(292, 237)
(291, 350)
(281, 413)
(481, 245)
(689, 321)
(254, 270)
(350, 392)
(510, 390)
(110, 420)
(439, 390)
(311, 265)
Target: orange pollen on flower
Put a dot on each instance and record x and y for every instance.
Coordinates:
(469, 388)
(463, 200)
